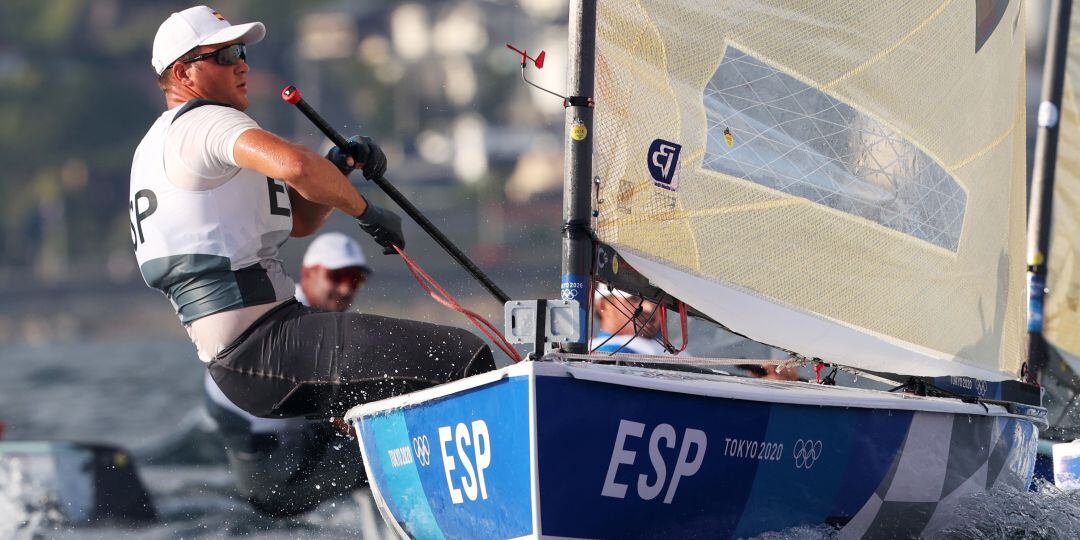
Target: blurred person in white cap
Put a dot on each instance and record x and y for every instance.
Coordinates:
(621, 327)
(213, 197)
(334, 268)
(288, 466)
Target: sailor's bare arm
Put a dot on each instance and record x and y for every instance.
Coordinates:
(317, 186)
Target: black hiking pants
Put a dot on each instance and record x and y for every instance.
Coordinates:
(299, 361)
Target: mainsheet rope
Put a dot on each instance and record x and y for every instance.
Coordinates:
(441, 296)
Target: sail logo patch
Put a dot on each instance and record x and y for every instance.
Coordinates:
(663, 161)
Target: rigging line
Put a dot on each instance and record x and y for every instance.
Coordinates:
(626, 309)
(633, 313)
(482, 324)
(664, 328)
(449, 301)
(613, 335)
(629, 317)
(830, 379)
(710, 321)
(637, 332)
(589, 307)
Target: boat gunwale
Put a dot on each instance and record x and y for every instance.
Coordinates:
(700, 384)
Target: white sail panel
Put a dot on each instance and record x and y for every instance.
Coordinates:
(853, 172)
(1062, 309)
(802, 141)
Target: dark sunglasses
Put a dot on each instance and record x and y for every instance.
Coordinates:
(226, 56)
(351, 275)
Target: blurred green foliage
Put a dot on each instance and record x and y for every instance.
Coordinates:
(79, 93)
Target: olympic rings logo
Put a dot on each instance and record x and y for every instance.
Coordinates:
(806, 453)
(980, 387)
(422, 449)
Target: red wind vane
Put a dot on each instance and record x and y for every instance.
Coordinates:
(538, 61)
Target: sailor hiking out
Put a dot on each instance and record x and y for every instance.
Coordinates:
(212, 199)
(288, 466)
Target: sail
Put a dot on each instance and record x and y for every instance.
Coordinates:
(1062, 308)
(841, 179)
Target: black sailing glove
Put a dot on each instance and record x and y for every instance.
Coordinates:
(354, 148)
(365, 153)
(384, 226)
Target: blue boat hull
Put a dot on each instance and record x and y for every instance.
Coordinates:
(549, 450)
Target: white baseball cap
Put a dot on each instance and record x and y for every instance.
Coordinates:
(199, 25)
(334, 251)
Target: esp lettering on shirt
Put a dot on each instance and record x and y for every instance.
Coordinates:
(145, 203)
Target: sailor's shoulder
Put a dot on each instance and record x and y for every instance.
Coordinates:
(211, 113)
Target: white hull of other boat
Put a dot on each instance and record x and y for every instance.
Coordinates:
(579, 450)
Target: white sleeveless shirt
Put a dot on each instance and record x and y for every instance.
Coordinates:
(209, 242)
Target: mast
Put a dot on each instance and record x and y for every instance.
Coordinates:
(1042, 181)
(577, 189)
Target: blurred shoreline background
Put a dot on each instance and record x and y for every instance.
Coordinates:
(468, 143)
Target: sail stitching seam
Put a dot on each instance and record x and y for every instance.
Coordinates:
(889, 50)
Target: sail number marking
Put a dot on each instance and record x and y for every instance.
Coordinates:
(691, 454)
(468, 444)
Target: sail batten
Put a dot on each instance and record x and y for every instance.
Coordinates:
(837, 161)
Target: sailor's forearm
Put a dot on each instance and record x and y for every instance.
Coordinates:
(319, 181)
(309, 174)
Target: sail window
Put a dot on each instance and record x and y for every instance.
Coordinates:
(767, 127)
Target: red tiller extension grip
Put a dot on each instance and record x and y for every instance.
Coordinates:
(291, 95)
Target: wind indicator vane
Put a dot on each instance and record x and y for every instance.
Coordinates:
(539, 63)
